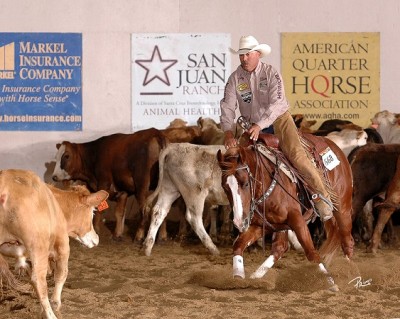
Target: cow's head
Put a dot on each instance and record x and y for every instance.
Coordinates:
(383, 118)
(78, 205)
(65, 160)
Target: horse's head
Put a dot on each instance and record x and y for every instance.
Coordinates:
(237, 185)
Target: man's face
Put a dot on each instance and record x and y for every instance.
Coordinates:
(249, 60)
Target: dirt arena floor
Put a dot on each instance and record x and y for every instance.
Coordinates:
(116, 280)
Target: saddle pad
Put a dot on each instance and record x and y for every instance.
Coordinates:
(271, 156)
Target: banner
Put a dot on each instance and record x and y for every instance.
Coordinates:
(332, 75)
(178, 76)
(40, 81)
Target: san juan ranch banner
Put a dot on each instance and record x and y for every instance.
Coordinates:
(178, 76)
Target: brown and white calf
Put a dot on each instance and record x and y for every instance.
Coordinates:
(36, 221)
(348, 139)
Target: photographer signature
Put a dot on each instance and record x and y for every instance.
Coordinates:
(359, 283)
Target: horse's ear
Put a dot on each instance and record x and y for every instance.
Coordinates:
(219, 156)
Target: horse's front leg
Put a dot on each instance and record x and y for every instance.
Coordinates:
(279, 247)
(243, 241)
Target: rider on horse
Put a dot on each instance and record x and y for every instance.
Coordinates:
(257, 88)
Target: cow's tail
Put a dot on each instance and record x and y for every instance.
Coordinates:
(151, 199)
(8, 279)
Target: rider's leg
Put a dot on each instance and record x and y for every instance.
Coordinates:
(289, 142)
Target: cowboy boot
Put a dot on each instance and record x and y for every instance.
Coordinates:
(323, 206)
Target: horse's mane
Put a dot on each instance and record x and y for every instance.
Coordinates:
(232, 159)
(228, 167)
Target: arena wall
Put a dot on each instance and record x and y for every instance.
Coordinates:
(106, 27)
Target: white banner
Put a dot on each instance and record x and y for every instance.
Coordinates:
(178, 75)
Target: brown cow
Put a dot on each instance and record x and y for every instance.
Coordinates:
(376, 169)
(303, 124)
(35, 222)
(184, 134)
(121, 164)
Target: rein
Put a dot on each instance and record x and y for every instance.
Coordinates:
(256, 202)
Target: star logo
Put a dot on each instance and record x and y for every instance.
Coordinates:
(156, 67)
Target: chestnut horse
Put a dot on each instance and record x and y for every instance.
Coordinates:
(265, 200)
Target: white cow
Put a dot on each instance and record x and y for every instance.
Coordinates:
(35, 222)
(348, 139)
(190, 171)
(388, 126)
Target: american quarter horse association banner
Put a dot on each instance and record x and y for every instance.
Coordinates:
(332, 75)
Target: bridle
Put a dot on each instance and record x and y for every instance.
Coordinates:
(254, 204)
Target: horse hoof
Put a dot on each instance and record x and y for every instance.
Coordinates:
(255, 276)
(147, 252)
(334, 288)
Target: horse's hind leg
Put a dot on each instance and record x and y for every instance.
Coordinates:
(243, 241)
(344, 222)
(279, 247)
(302, 232)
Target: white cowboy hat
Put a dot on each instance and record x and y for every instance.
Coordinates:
(249, 43)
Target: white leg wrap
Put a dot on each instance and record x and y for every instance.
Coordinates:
(322, 268)
(294, 241)
(262, 270)
(331, 282)
(238, 266)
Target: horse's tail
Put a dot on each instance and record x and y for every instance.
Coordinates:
(332, 243)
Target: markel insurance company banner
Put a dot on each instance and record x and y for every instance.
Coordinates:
(332, 75)
(40, 81)
(178, 75)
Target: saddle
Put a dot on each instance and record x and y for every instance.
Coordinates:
(315, 146)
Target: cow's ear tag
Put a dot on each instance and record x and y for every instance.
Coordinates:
(102, 206)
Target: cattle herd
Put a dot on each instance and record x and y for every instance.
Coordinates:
(161, 168)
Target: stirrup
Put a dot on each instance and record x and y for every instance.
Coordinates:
(244, 123)
(317, 197)
(324, 213)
